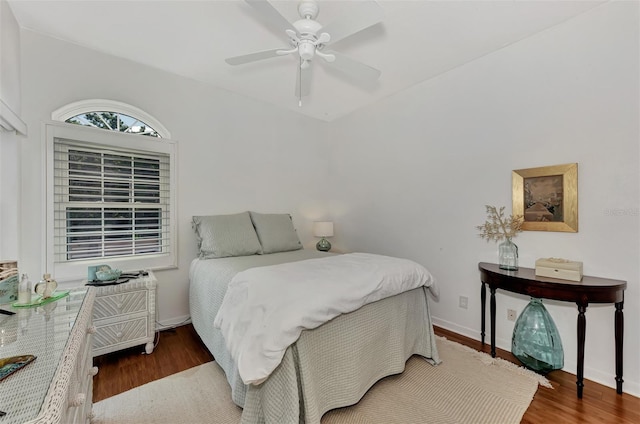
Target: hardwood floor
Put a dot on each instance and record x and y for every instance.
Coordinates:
(180, 349)
(177, 350)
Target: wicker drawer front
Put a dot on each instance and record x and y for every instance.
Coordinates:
(120, 304)
(122, 332)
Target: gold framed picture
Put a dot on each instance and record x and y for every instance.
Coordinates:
(547, 197)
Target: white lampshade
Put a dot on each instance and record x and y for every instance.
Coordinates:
(323, 229)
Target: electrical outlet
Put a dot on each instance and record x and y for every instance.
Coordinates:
(511, 314)
(463, 302)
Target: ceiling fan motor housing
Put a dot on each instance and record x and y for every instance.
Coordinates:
(306, 49)
(307, 27)
(308, 9)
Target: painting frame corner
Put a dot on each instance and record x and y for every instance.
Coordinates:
(547, 197)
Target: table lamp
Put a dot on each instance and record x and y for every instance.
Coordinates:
(323, 229)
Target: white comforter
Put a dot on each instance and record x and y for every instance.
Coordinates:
(266, 308)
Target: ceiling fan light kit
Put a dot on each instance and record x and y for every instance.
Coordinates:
(308, 38)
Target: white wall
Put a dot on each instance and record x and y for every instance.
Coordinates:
(9, 195)
(9, 58)
(411, 175)
(9, 140)
(234, 154)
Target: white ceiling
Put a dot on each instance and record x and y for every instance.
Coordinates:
(417, 40)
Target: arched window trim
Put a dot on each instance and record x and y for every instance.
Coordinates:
(104, 105)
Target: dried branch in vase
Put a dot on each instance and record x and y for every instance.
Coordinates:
(498, 227)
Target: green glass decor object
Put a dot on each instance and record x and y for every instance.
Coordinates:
(508, 255)
(536, 341)
(323, 245)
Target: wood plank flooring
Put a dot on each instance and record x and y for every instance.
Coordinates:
(180, 349)
(177, 350)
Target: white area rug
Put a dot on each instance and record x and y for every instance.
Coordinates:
(468, 387)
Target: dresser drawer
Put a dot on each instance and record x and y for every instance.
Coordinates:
(112, 335)
(114, 305)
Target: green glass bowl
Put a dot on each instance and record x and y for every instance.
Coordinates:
(109, 274)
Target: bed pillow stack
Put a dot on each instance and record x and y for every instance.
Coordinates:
(244, 234)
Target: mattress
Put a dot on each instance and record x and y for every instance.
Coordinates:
(328, 367)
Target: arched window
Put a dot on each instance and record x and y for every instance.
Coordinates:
(110, 115)
(111, 194)
(113, 121)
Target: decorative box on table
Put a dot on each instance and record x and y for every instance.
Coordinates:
(563, 269)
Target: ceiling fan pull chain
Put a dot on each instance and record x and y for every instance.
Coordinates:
(300, 83)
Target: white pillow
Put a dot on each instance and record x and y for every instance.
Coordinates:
(221, 236)
(275, 232)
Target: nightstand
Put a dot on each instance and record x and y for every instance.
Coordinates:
(125, 315)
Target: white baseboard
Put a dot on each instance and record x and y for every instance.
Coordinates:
(609, 380)
(472, 333)
(174, 322)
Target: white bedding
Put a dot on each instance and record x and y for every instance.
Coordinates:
(265, 309)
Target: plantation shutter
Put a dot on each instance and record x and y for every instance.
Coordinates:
(109, 202)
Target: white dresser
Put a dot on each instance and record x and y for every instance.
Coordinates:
(57, 387)
(125, 315)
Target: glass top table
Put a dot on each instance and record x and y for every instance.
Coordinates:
(42, 331)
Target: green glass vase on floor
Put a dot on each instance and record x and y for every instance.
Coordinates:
(536, 341)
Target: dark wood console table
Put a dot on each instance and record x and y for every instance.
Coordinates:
(589, 290)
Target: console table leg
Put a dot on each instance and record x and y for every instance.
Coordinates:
(619, 335)
(493, 321)
(483, 307)
(582, 326)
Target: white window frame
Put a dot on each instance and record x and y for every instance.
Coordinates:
(104, 105)
(77, 269)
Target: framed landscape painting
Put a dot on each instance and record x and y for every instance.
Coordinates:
(547, 197)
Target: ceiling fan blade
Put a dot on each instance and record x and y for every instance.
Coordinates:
(353, 68)
(252, 57)
(303, 81)
(364, 15)
(271, 15)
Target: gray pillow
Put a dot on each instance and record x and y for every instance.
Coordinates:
(275, 232)
(221, 236)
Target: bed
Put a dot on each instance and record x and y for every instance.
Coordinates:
(328, 367)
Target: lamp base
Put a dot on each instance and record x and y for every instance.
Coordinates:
(323, 245)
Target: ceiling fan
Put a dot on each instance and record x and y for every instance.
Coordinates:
(308, 40)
